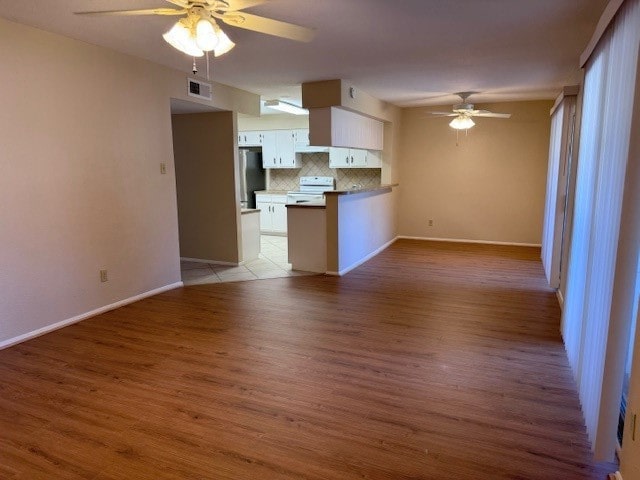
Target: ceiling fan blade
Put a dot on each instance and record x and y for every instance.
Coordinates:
(149, 11)
(491, 114)
(443, 114)
(268, 26)
(235, 5)
(180, 3)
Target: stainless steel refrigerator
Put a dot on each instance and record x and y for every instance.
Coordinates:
(252, 177)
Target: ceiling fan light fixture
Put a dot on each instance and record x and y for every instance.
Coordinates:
(181, 38)
(224, 43)
(286, 107)
(462, 122)
(206, 35)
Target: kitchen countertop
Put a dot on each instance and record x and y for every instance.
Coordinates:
(272, 192)
(352, 191)
(318, 204)
(249, 210)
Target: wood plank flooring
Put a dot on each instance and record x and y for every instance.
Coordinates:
(431, 361)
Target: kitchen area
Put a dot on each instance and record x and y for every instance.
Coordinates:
(278, 167)
(284, 167)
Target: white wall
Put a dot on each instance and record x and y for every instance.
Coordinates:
(83, 131)
(359, 225)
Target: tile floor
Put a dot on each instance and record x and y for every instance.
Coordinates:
(271, 264)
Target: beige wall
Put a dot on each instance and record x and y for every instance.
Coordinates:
(83, 131)
(208, 213)
(273, 122)
(490, 187)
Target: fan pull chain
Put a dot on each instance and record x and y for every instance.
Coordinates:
(195, 67)
(207, 53)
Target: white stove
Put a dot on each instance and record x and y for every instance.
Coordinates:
(311, 189)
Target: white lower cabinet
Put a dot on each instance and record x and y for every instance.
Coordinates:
(273, 212)
(340, 157)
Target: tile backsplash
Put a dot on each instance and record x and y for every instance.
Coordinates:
(317, 164)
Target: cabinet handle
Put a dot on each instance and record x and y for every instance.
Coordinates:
(351, 158)
(280, 160)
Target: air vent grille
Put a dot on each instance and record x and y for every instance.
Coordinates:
(198, 89)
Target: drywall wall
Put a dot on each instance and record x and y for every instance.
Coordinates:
(83, 131)
(359, 226)
(489, 187)
(208, 206)
(272, 122)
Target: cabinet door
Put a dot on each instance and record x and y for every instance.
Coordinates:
(357, 158)
(279, 217)
(286, 148)
(252, 138)
(374, 159)
(266, 223)
(301, 137)
(339, 157)
(269, 150)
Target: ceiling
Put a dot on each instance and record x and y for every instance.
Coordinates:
(407, 52)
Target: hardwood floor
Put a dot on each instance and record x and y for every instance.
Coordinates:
(431, 361)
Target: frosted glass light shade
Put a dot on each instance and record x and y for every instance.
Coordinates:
(224, 43)
(206, 37)
(462, 123)
(181, 38)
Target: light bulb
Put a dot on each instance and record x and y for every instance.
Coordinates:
(181, 38)
(206, 37)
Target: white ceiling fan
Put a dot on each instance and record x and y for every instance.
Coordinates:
(198, 32)
(464, 111)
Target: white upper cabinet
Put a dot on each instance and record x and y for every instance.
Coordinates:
(337, 127)
(301, 136)
(251, 138)
(354, 158)
(278, 149)
(339, 157)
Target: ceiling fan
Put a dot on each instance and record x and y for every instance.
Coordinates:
(464, 111)
(198, 32)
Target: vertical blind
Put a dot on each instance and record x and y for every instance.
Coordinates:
(604, 147)
(548, 228)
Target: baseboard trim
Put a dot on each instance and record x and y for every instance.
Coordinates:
(462, 240)
(344, 271)
(70, 321)
(560, 299)
(204, 260)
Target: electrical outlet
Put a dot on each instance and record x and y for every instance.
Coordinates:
(430, 223)
(103, 276)
(163, 168)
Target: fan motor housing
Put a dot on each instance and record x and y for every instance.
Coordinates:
(463, 106)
